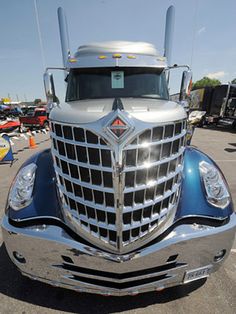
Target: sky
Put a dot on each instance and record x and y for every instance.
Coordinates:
(204, 36)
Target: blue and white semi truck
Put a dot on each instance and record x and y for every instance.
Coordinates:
(119, 205)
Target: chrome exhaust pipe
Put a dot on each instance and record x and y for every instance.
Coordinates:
(169, 32)
(63, 35)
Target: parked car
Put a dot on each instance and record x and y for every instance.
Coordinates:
(35, 118)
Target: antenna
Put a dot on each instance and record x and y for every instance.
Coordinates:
(39, 34)
(194, 32)
(169, 32)
(63, 35)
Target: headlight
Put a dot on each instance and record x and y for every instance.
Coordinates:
(21, 191)
(216, 190)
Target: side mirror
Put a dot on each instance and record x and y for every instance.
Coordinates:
(49, 88)
(185, 105)
(186, 85)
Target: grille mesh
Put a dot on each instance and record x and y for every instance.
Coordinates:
(150, 178)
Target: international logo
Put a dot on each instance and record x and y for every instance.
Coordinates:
(118, 127)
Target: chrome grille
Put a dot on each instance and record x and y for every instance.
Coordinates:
(118, 196)
(152, 168)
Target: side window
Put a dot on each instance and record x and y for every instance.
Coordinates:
(72, 87)
(40, 113)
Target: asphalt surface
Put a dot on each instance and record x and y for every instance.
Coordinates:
(215, 295)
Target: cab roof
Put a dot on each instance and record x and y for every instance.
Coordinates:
(117, 54)
(127, 47)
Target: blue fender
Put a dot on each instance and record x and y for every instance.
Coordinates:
(45, 197)
(192, 202)
(192, 197)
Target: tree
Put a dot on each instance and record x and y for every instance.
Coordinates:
(233, 81)
(37, 101)
(205, 81)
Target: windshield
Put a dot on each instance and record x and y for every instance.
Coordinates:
(40, 113)
(97, 83)
(30, 112)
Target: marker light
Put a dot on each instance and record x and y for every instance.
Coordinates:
(102, 57)
(21, 191)
(116, 56)
(72, 60)
(216, 190)
(131, 57)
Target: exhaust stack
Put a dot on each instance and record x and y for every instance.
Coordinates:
(169, 31)
(63, 35)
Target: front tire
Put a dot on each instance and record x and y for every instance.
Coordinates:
(46, 125)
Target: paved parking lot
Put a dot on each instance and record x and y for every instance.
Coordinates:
(216, 295)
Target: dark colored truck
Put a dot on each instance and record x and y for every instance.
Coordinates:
(37, 118)
(218, 103)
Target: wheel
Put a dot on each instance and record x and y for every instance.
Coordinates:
(202, 123)
(46, 125)
(234, 125)
(21, 128)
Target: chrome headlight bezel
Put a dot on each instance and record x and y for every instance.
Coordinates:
(216, 189)
(21, 191)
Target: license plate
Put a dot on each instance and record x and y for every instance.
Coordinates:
(198, 273)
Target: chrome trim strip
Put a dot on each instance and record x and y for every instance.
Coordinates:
(110, 279)
(116, 280)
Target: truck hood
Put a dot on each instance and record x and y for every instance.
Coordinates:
(145, 109)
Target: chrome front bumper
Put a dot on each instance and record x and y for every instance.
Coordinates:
(47, 253)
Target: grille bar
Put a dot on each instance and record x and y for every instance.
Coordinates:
(155, 163)
(128, 209)
(87, 203)
(154, 182)
(95, 222)
(117, 194)
(85, 165)
(84, 184)
(73, 142)
(115, 285)
(130, 146)
(149, 144)
(120, 278)
(144, 221)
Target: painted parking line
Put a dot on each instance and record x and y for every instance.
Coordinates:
(225, 160)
